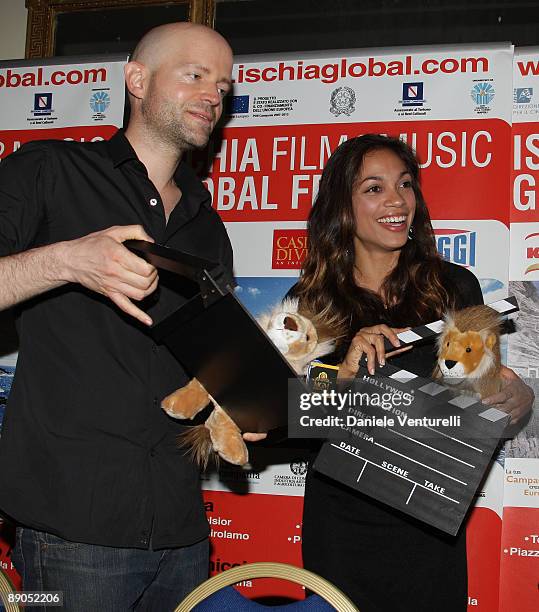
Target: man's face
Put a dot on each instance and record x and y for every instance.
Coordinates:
(185, 94)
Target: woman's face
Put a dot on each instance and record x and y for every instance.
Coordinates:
(383, 202)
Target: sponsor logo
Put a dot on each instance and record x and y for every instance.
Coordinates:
(236, 105)
(342, 101)
(532, 253)
(299, 468)
(456, 245)
(412, 94)
(321, 382)
(289, 249)
(482, 93)
(42, 104)
(99, 101)
(522, 95)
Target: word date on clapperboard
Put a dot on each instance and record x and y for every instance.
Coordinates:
(425, 457)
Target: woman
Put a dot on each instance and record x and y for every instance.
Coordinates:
(372, 266)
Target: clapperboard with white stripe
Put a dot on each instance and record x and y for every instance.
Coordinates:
(425, 333)
(430, 458)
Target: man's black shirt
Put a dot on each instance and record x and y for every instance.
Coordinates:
(87, 452)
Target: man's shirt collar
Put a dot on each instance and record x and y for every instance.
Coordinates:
(121, 151)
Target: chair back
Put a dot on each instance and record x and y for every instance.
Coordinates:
(327, 596)
(6, 589)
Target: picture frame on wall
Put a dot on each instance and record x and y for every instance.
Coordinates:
(68, 27)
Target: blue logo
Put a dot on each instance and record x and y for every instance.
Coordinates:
(482, 93)
(522, 95)
(412, 94)
(42, 104)
(456, 245)
(237, 105)
(100, 101)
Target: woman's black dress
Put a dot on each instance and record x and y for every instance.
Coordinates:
(382, 559)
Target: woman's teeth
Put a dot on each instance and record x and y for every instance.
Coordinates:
(392, 219)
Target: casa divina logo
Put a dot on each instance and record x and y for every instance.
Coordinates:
(342, 101)
(289, 249)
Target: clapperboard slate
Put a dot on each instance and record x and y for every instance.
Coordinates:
(430, 473)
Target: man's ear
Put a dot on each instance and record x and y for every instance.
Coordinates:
(136, 75)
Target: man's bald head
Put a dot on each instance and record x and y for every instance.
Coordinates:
(163, 41)
(177, 79)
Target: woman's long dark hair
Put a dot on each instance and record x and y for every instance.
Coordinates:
(413, 292)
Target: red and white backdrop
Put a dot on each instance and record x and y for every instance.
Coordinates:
(455, 106)
(519, 556)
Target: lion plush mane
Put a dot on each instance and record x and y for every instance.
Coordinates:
(469, 351)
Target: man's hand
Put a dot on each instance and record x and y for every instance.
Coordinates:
(516, 397)
(100, 262)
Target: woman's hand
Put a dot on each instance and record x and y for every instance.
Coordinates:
(370, 341)
(516, 397)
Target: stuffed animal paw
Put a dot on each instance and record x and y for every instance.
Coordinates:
(297, 339)
(219, 433)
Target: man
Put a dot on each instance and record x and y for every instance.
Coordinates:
(110, 511)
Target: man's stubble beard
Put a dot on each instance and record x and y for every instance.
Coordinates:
(164, 121)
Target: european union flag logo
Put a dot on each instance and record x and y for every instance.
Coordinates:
(237, 104)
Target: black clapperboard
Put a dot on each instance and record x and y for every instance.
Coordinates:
(428, 472)
(216, 339)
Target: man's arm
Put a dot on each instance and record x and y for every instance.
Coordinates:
(98, 261)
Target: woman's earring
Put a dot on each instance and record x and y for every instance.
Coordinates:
(411, 233)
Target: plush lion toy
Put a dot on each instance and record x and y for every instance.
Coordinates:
(297, 339)
(469, 351)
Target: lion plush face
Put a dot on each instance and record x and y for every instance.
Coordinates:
(294, 335)
(469, 346)
(466, 354)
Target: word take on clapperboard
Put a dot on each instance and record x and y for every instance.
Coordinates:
(397, 456)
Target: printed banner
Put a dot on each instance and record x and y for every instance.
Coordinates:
(519, 549)
(520, 536)
(289, 112)
(483, 533)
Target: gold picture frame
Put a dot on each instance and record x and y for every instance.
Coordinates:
(43, 15)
